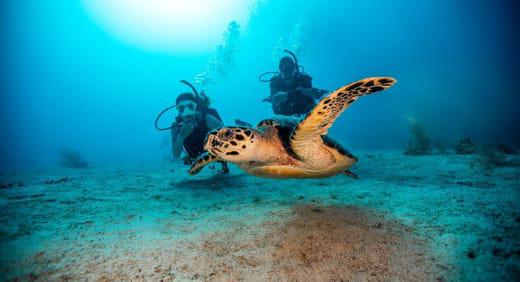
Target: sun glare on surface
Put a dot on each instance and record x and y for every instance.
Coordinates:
(176, 26)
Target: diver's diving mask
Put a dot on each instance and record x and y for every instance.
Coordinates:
(187, 109)
(189, 106)
(186, 105)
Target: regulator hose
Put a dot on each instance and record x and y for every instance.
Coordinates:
(159, 116)
(275, 73)
(195, 92)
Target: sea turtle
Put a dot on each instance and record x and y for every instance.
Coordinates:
(287, 147)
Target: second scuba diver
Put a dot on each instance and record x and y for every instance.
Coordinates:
(291, 91)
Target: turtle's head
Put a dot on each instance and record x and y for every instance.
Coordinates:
(234, 144)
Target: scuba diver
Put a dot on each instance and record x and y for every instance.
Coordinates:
(194, 120)
(291, 90)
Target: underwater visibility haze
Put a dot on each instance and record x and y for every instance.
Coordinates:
(418, 181)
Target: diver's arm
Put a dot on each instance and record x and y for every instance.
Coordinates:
(176, 142)
(307, 89)
(213, 122)
(179, 133)
(304, 84)
(314, 93)
(279, 97)
(276, 86)
(273, 87)
(306, 81)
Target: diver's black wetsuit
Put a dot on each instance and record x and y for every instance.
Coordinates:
(194, 143)
(296, 103)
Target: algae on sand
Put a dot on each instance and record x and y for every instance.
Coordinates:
(72, 159)
(420, 143)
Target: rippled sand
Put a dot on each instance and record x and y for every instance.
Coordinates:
(406, 219)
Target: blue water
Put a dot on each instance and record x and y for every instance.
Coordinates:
(68, 82)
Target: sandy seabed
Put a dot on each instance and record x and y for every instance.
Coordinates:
(427, 218)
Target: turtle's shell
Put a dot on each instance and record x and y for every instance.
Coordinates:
(285, 126)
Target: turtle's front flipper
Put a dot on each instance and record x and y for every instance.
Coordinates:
(200, 162)
(320, 119)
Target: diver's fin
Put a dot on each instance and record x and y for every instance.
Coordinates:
(200, 162)
(320, 119)
(351, 174)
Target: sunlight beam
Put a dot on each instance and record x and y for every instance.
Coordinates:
(178, 26)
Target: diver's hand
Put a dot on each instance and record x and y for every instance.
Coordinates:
(314, 93)
(186, 129)
(306, 91)
(279, 97)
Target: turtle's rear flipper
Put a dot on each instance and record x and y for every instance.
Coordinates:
(351, 174)
(200, 162)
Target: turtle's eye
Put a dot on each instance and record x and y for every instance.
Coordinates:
(225, 134)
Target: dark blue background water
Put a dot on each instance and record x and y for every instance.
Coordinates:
(67, 82)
